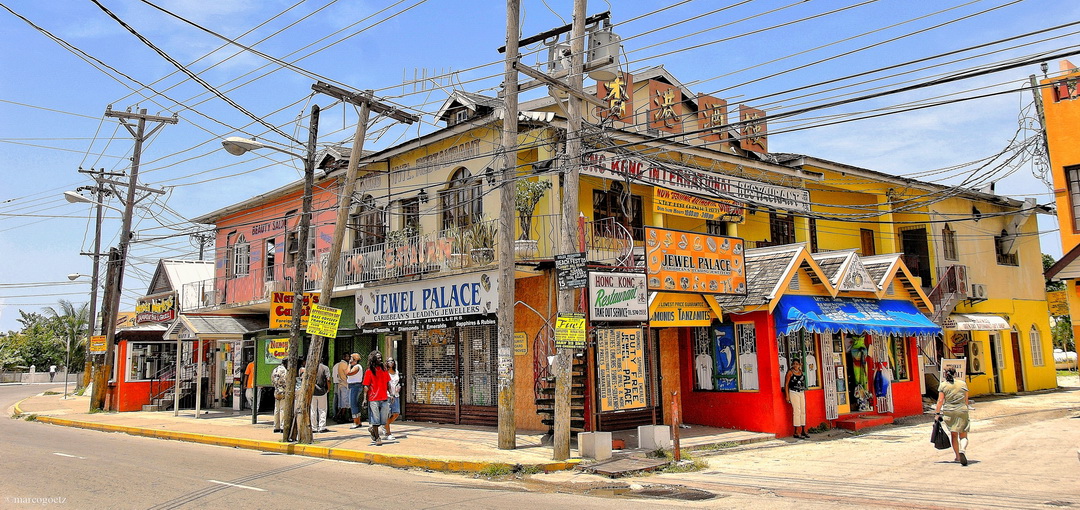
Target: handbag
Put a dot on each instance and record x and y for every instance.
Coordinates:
(940, 437)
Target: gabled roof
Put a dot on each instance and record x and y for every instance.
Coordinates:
(174, 274)
(845, 271)
(469, 100)
(890, 267)
(768, 272)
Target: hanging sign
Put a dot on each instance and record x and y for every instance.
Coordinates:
(620, 368)
(570, 271)
(681, 204)
(570, 331)
(670, 309)
(694, 262)
(97, 344)
(618, 297)
(324, 321)
(281, 308)
(427, 301)
(156, 308)
(1058, 301)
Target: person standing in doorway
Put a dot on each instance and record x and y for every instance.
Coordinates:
(249, 383)
(376, 393)
(355, 378)
(318, 399)
(278, 377)
(952, 406)
(341, 389)
(394, 396)
(795, 385)
(52, 372)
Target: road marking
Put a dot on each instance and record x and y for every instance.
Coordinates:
(66, 455)
(237, 485)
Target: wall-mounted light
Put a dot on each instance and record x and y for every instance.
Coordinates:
(422, 196)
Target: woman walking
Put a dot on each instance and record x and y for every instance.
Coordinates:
(795, 385)
(354, 377)
(394, 396)
(952, 406)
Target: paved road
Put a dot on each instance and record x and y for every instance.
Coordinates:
(73, 468)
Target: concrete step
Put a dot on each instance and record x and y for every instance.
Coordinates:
(863, 421)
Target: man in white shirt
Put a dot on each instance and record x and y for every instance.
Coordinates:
(341, 390)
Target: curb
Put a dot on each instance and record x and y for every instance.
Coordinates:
(321, 452)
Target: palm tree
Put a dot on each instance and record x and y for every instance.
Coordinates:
(70, 325)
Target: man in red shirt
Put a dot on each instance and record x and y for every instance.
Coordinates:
(376, 393)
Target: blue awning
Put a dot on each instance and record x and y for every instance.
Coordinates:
(853, 315)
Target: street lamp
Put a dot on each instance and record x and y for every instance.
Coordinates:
(67, 364)
(237, 146)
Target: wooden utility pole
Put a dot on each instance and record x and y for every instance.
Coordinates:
(568, 241)
(295, 335)
(95, 275)
(140, 133)
(315, 349)
(507, 211)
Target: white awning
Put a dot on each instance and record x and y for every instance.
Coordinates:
(976, 322)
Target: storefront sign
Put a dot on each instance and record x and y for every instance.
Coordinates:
(277, 349)
(959, 364)
(156, 308)
(1058, 301)
(324, 321)
(690, 180)
(281, 307)
(570, 271)
(620, 367)
(618, 297)
(570, 331)
(97, 344)
(669, 309)
(437, 299)
(521, 344)
(681, 204)
(694, 262)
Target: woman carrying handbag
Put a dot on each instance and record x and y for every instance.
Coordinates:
(952, 407)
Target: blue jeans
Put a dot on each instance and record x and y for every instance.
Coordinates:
(355, 389)
(378, 412)
(395, 405)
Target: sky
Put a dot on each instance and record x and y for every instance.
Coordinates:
(67, 62)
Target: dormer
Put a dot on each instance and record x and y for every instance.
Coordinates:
(464, 106)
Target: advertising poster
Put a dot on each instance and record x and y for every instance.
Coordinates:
(324, 321)
(620, 363)
(694, 262)
(570, 331)
(681, 204)
(725, 376)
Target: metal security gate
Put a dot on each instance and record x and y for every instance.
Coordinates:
(452, 375)
(880, 355)
(828, 376)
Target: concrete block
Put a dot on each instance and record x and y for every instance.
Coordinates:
(595, 445)
(654, 437)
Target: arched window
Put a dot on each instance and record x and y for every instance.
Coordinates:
(241, 257)
(1036, 346)
(948, 242)
(461, 202)
(368, 223)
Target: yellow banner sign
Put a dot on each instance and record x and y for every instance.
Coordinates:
(324, 321)
(681, 204)
(570, 331)
(97, 344)
(277, 349)
(281, 307)
(694, 262)
(620, 369)
(1058, 301)
(670, 309)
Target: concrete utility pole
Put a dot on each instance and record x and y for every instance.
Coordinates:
(507, 209)
(568, 241)
(139, 132)
(329, 274)
(300, 273)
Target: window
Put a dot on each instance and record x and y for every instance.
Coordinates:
(813, 235)
(150, 360)
(368, 223)
(410, 214)
(461, 115)
(241, 257)
(725, 358)
(461, 201)
(1036, 347)
(1002, 244)
(618, 203)
(271, 251)
(781, 228)
(716, 228)
(898, 357)
(1072, 178)
(292, 242)
(799, 346)
(866, 236)
(948, 242)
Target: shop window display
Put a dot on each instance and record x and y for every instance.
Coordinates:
(799, 346)
(725, 358)
(146, 361)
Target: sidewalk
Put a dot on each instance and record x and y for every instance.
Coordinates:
(436, 447)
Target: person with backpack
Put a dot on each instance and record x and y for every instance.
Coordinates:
(318, 399)
(278, 377)
(952, 407)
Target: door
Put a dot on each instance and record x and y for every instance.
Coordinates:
(995, 359)
(913, 242)
(866, 236)
(1018, 362)
(839, 362)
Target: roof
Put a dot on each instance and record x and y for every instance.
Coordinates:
(880, 266)
(765, 269)
(173, 274)
(1067, 267)
(470, 100)
(219, 326)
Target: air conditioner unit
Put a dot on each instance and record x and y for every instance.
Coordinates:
(977, 291)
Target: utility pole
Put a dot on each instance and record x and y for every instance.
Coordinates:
(315, 349)
(99, 198)
(140, 133)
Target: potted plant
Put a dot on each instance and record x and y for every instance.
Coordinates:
(459, 256)
(528, 194)
(481, 237)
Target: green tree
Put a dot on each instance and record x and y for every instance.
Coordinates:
(69, 324)
(1051, 286)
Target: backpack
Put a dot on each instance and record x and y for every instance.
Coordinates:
(321, 381)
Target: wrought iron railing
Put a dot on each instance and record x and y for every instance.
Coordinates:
(952, 287)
